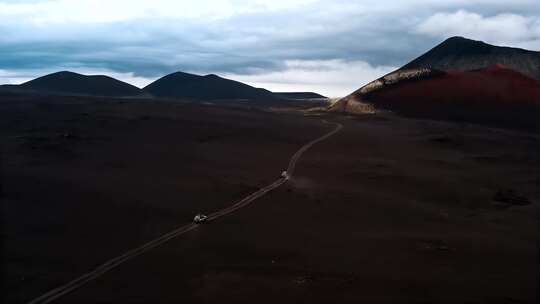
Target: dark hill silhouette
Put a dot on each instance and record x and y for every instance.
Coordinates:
(300, 95)
(209, 87)
(69, 83)
(461, 54)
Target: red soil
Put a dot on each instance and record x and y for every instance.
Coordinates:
(493, 85)
(495, 95)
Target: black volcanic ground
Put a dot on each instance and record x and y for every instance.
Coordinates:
(389, 210)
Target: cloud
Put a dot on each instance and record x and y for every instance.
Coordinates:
(501, 29)
(248, 38)
(328, 77)
(100, 11)
(14, 77)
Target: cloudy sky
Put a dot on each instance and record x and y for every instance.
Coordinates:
(328, 46)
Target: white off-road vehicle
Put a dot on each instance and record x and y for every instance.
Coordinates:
(200, 218)
(284, 174)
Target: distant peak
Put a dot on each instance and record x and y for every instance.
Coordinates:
(456, 38)
(65, 73)
(212, 76)
(73, 74)
(459, 38)
(181, 75)
(462, 41)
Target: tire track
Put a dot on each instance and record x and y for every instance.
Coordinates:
(115, 262)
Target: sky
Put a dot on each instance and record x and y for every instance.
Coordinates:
(331, 46)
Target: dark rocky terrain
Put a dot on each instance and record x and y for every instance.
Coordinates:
(209, 87)
(69, 83)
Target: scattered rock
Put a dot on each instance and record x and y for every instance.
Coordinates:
(510, 197)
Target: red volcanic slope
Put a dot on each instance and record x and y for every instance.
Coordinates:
(495, 85)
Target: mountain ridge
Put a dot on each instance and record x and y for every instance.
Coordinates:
(483, 91)
(175, 85)
(71, 83)
(207, 87)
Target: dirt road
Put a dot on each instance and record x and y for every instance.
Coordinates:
(113, 263)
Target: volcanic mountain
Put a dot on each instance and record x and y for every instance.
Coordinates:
(69, 83)
(496, 94)
(461, 54)
(209, 87)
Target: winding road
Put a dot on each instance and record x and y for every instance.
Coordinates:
(115, 262)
